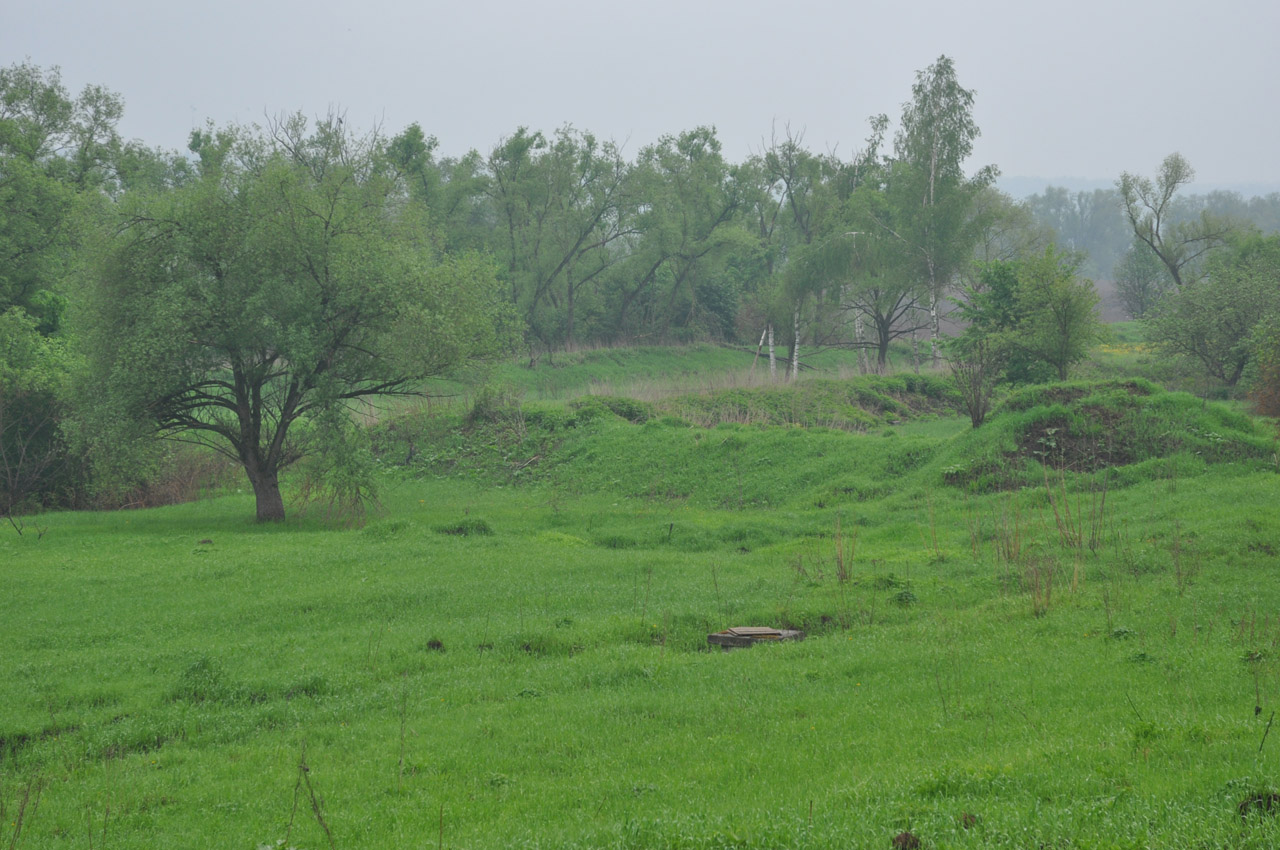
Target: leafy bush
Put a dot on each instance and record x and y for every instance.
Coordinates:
(495, 404)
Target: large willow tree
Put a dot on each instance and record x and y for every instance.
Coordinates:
(250, 308)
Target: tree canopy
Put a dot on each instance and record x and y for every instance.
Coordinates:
(1211, 320)
(287, 282)
(1181, 245)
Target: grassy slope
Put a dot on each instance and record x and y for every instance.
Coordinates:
(546, 684)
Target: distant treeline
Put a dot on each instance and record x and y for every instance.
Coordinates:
(242, 293)
(1093, 221)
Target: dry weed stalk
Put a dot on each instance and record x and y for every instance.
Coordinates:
(304, 778)
(404, 713)
(1183, 571)
(1008, 527)
(1038, 579)
(27, 807)
(1098, 513)
(933, 526)
(844, 560)
(1070, 525)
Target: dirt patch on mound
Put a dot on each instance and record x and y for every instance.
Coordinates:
(1056, 444)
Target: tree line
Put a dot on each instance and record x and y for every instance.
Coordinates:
(1094, 222)
(249, 293)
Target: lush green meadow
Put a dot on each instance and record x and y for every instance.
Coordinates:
(513, 651)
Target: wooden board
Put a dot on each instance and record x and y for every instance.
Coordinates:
(743, 637)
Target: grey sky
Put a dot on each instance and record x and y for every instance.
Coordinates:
(1086, 89)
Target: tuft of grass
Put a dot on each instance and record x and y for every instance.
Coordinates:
(465, 528)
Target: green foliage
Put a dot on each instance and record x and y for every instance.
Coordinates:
(1032, 317)
(559, 203)
(338, 480)
(54, 156)
(1265, 388)
(1211, 320)
(53, 148)
(1141, 280)
(465, 528)
(977, 362)
(284, 284)
(1058, 319)
(687, 196)
(35, 467)
(1090, 221)
(634, 411)
(495, 403)
(854, 404)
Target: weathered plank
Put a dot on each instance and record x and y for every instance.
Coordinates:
(744, 637)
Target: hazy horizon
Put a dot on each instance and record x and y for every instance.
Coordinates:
(1102, 89)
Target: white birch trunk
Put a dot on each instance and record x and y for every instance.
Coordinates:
(935, 329)
(915, 350)
(795, 347)
(773, 359)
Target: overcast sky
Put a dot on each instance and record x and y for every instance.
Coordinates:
(1086, 90)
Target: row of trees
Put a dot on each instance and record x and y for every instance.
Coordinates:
(246, 298)
(1205, 282)
(250, 294)
(1210, 284)
(1096, 223)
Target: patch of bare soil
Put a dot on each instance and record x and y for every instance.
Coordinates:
(1264, 802)
(905, 841)
(1057, 445)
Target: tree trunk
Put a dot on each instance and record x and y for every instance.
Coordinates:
(568, 335)
(266, 489)
(773, 360)
(882, 349)
(859, 336)
(795, 346)
(935, 328)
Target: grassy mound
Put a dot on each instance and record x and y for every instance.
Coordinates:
(803, 444)
(1131, 426)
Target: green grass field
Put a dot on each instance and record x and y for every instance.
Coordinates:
(512, 653)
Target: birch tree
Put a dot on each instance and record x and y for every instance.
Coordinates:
(928, 184)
